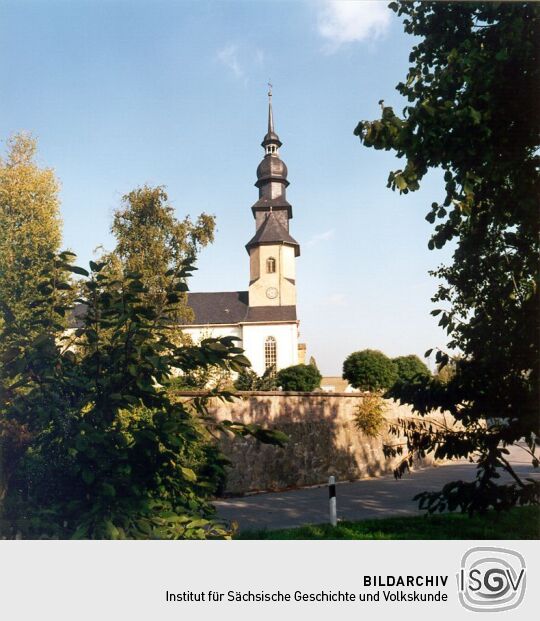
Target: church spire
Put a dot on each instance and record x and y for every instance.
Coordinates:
(271, 141)
(272, 178)
(270, 113)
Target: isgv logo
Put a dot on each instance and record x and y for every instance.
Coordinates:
(491, 579)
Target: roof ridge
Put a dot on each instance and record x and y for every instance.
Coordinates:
(211, 292)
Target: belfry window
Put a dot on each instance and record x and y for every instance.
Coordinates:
(270, 353)
(270, 265)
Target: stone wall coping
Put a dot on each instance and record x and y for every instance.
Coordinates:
(272, 393)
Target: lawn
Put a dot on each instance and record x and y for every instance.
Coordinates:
(519, 523)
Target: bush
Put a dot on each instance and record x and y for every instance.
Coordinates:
(369, 369)
(409, 367)
(300, 378)
(369, 417)
(249, 380)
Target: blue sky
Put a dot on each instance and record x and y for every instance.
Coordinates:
(120, 94)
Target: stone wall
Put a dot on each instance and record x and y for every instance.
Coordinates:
(323, 440)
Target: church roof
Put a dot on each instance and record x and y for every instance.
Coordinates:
(231, 307)
(272, 231)
(215, 308)
(219, 307)
(271, 313)
(264, 203)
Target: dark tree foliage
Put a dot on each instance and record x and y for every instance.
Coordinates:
(473, 111)
(409, 367)
(108, 451)
(369, 369)
(299, 377)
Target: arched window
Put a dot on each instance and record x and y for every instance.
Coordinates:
(270, 353)
(270, 265)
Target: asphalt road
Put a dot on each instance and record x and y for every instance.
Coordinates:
(368, 498)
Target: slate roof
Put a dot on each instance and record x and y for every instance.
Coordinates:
(271, 313)
(264, 203)
(272, 231)
(219, 307)
(271, 167)
(271, 137)
(225, 307)
(230, 307)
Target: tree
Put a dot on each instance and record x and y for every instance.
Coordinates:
(249, 380)
(152, 242)
(30, 228)
(313, 362)
(299, 377)
(29, 233)
(112, 453)
(369, 369)
(472, 91)
(409, 367)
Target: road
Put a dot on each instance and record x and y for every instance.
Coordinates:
(368, 498)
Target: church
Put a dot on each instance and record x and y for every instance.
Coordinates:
(263, 317)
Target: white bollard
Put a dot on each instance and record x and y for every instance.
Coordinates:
(332, 500)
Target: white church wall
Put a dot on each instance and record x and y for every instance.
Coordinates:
(197, 333)
(286, 335)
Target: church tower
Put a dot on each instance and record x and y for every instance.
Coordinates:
(272, 250)
(264, 317)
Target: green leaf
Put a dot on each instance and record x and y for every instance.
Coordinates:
(242, 360)
(111, 532)
(96, 267)
(188, 474)
(198, 523)
(77, 270)
(108, 490)
(88, 477)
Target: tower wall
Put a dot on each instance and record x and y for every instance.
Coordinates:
(282, 280)
(272, 189)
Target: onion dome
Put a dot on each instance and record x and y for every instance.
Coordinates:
(271, 167)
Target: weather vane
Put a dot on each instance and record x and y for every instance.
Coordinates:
(269, 89)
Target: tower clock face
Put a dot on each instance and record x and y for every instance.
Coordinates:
(271, 293)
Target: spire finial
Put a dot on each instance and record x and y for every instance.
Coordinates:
(270, 113)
